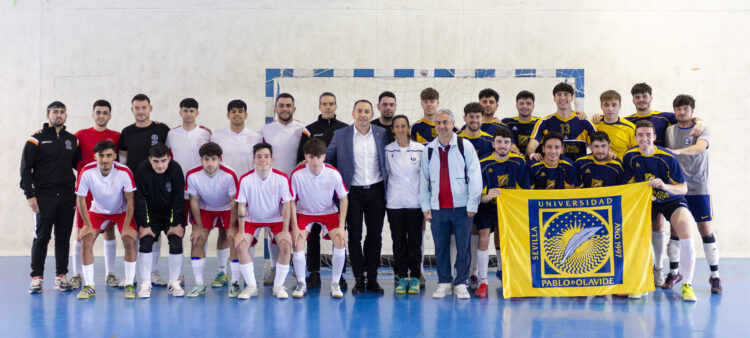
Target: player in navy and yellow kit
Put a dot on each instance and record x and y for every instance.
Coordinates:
(598, 169)
(423, 131)
(574, 128)
(554, 171)
(661, 168)
(522, 125)
(481, 140)
(488, 99)
(500, 170)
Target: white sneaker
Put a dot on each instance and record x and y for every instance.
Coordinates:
(443, 289)
(250, 291)
(280, 292)
(461, 291)
(144, 291)
(299, 291)
(156, 279)
(336, 291)
(175, 289)
(659, 277)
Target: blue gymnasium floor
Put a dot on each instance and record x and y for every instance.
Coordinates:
(663, 313)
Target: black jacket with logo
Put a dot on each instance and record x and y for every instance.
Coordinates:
(48, 162)
(159, 195)
(322, 129)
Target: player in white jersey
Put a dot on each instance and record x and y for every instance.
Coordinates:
(283, 135)
(264, 201)
(212, 188)
(111, 185)
(314, 185)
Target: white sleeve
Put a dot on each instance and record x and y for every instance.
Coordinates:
(232, 184)
(287, 195)
(83, 189)
(241, 197)
(190, 186)
(128, 184)
(341, 191)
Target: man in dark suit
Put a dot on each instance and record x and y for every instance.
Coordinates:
(358, 151)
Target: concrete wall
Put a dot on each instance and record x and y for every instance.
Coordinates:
(78, 51)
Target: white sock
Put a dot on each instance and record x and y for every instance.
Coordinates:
(156, 252)
(248, 271)
(657, 241)
(110, 249)
(673, 253)
(129, 273)
(77, 262)
(712, 256)
(222, 257)
(175, 267)
(273, 252)
(299, 266)
(338, 260)
(88, 274)
(144, 258)
(281, 271)
(453, 255)
(483, 260)
(687, 257)
(474, 247)
(198, 264)
(234, 266)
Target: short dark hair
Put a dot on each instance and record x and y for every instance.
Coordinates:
(489, 92)
(102, 103)
(386, 94)
(429, 93)
(547, 137)
(103, 145)
(189, 103)
(563, 87)
(525, 94)
(236, 104)
(473, 107)
(683, 100)
(141, 97)
(158, 150)
(503, 132)
(640, 88)
(56, 104)
(314, 147)
(645, 124)
(599, 136)
(400, 116)
(210, 149)
(327, 94)
(263, 145)
(610, 95)
(362, 100)
(284, 96)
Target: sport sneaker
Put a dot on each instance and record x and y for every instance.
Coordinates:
(36, 285)
(687, 293)
(280, 292)
(234, 290)
(658, 278)
(250, 291)
(144, 291)
(637, 295)
(175, 289)
(220, 280)
(87, 292)
(443, 289)
(336, 291)
(300, 291)
(461, 291)
(156, 279)
(715, 285)
(130, 291)
(401, 287)
(481, 290)
(268, 280)
(197, 290)
(671, 280)
(75, 282)
(414, 285)
(112, 280)
(474, 282)
(62, 284)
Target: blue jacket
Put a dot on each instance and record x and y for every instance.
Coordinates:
(464, 195)
(340, 153)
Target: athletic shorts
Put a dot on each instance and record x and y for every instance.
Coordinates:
(486, 217)
(700, 207)
(668, 208)
(102, 221)
(254, 229)
(79, 220)
(327, 222)
(215, 219)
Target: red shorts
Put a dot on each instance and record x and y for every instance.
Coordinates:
(79, 220)
(328, 222)
(102, 221)
(215, 219)
(255, 228)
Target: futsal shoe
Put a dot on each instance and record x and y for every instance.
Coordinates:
(197, 290)
(220, 280)
(280, 292)
(175, 289)
(36, 285)
(414, 286)
(715, 285)
(300, 291)
(461, 291)
(481, 290)
(671, 281)
(249, 292)
(270, 276)
(336, 291)
(658, 278)
(402, 286)
(144, 291)
(313, 280)
(112, 280)
(156, 279)
(234, 290)
(130, 291)
(443, 290)
(75, 282)
(87, 292)
(474, 282)
(688, 294)
(636, 295)
(62, 284)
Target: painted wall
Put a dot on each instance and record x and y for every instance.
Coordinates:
(78, 51)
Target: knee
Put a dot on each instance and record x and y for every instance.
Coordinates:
(146, 244)
(175, 244)
(284, 246)
(128, 243)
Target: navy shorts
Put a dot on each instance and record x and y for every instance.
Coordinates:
(700, 207)
(486, 217)
(668, 208)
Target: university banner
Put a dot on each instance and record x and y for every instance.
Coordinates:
(576, 242)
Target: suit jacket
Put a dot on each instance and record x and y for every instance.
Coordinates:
(340, 152)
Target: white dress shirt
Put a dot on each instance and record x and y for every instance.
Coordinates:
(366, 160)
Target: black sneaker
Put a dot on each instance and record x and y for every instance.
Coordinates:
(715, 285)
(671, 280)
(313, 280)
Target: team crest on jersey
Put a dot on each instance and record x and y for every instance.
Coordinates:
(576, 242)
(154, 139)
(523, 140)
(502, 181)
(596, 183)
(550, 184)
(433, 133)
(168, 186)
(68, 145)
(687, 141)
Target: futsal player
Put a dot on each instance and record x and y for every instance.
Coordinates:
(621, 132)
(599, 169)
(554, 170)
(423, 131)
(488, 99)
(522, 125)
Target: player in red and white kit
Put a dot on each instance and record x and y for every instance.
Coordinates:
(112, 185)
(264, 201)
(314, 184)
(87, 139)
(212, 188)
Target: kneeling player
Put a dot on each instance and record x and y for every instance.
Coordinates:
(264, 200)
(111, 185)
(160, 206)
(501, 170)
(551, 169)
(314, 184)
(658, 165)
(212, 188)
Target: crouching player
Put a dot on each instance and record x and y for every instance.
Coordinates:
(264, 200)
(314, 184)
(111, 185)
